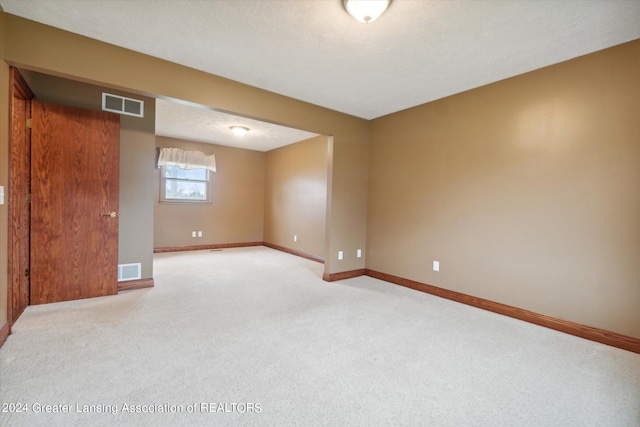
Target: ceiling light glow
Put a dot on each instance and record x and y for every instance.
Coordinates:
(239, 130)
(366, 11)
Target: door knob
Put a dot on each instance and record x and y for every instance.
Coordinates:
(111, 214)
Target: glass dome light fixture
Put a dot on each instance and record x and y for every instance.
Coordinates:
(366, 11)
(239, 130)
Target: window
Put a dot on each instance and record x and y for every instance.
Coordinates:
(180, 185)
(185, 175)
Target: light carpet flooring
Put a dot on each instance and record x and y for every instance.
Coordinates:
(259, 328)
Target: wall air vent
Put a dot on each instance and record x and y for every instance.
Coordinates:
(129, 272)
(122, 105)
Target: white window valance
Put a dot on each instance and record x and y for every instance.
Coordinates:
(186, 159)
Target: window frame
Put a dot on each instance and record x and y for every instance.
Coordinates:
(163, 188)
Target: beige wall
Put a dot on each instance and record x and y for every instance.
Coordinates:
(4, 173)
(236, 213)
(39, 47)
(527, 191)
(137, 151)
(137, 160)
(296, 196)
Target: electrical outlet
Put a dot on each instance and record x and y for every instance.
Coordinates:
(436, 265)
(199, 233)
(295, 238)
(359, 253)
(340, 255)
(193, 234)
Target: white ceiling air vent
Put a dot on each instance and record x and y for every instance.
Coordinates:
(122, 105)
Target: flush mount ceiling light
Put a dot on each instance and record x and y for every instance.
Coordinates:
(239, 130)
(366, 10)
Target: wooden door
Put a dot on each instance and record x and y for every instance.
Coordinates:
(18, 196)
(74, 203)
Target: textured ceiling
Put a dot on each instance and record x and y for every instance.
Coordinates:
(418, 51)
(205, 125)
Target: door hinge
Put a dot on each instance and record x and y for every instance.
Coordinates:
(27, 198)
(28, 123)
(27, 272)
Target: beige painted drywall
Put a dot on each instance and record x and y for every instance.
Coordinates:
(527, 191)
(4, 173)
(296, 196)
(137, 160)
(39, 47)
(236, 212)
(137, 156)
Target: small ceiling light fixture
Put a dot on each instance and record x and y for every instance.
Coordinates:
(366, 10)
(239, 130)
